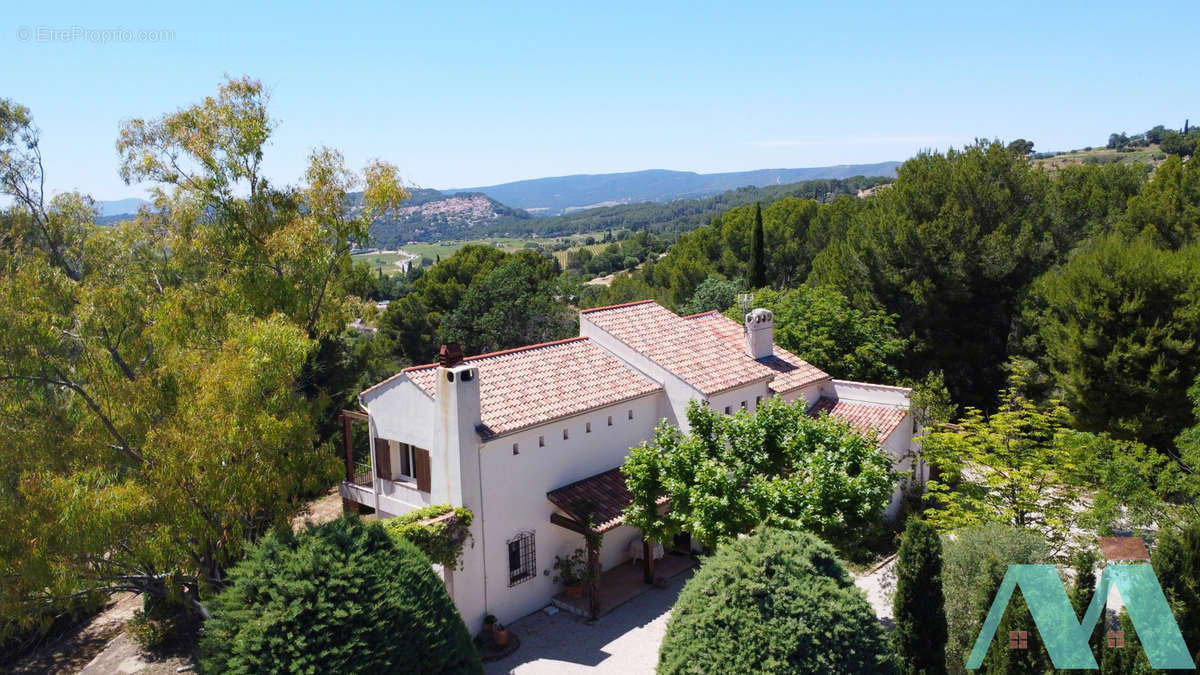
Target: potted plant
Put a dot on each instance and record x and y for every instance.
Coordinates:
(489, 623)
(500, 635)
(571, 572)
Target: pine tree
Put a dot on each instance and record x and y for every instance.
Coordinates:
(919, 606)
(758, 263)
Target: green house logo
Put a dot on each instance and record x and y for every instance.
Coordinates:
(1065, 638)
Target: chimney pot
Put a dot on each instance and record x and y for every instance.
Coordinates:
(450, 355)
(760, 333)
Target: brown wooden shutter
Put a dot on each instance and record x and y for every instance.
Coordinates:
(421, 468)
(383, 459)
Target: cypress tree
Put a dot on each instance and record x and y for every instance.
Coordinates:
(919, 606)
(1084, 564)
(758, 263)
(1176, 562)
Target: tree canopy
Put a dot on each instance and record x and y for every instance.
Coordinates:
(155, 387)
(821, 326)
(776, 466)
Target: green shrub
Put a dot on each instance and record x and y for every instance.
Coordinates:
(441, 542)
(338, 598)
(161, 623)
(775, 601)
(969, 561)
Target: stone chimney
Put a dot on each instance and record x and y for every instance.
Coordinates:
(760, 333)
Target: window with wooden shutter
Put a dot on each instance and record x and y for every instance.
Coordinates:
(383, 459)
(421, 466)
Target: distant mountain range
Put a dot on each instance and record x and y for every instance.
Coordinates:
(121, 207)
(563, 194)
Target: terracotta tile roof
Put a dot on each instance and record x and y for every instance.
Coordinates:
(605, 492)
(1123, 549)
(883, 420)
(522, 387)
(791, 371)
(694, 352)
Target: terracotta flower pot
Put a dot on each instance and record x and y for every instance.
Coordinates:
(500, 636)
(573, 590)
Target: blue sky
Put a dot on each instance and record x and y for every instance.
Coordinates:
(465, 94)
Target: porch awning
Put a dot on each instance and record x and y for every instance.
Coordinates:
(603, 494)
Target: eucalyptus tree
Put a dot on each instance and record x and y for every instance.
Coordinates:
(152, 373)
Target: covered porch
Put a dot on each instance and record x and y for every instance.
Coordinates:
(623, 583)
(591, 507)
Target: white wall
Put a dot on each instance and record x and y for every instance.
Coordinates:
(514, 498)
(395, 407)
(865, 392)
(811, 393)
(898, 445)
(733, 398)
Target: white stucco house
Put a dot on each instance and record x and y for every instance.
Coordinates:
(519, 436)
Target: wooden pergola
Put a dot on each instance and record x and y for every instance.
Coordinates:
(591, 507)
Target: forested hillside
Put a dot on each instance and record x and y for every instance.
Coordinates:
(1089, 274)
(429, 221)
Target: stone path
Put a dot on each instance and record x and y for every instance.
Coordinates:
(627, 640)
(623, 641)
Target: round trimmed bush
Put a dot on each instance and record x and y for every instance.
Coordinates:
(776, 601)
(337, 598)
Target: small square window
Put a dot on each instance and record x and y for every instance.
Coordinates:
(610, 420)
(631, 413)
(516, 449)
(1018, 639)
(743, 405)
(728, 410)
(541, 441)
(564, 434)
(588, 428)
